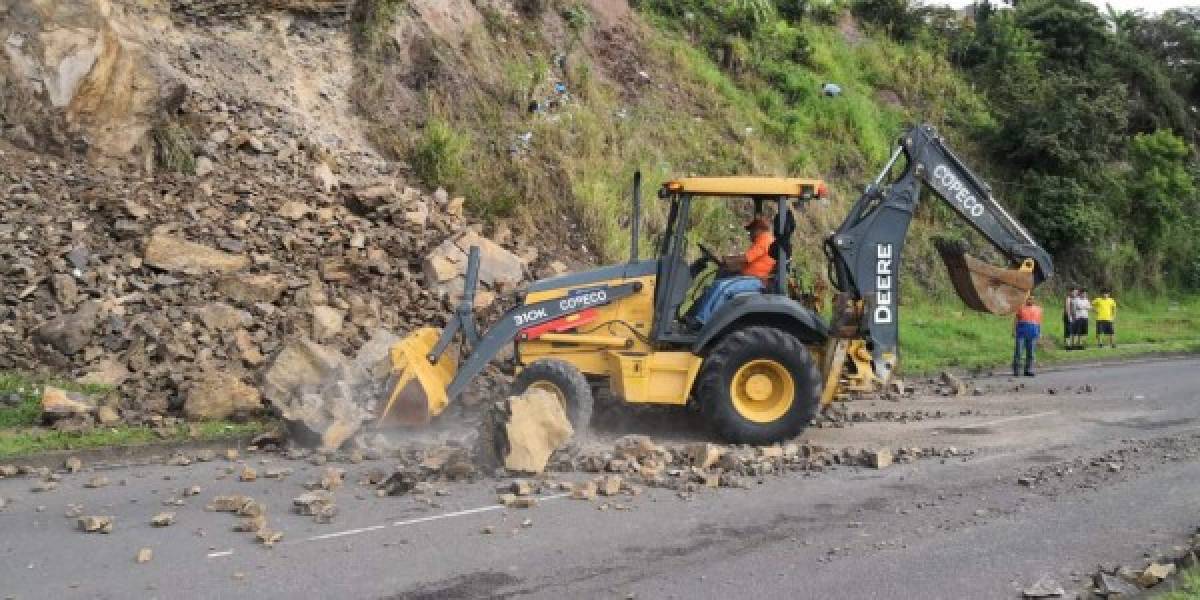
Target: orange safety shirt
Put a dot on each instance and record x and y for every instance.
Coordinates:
(1029, 314)
(758, 258)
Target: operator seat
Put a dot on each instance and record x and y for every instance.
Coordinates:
(781, 249)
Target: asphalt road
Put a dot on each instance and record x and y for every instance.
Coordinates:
(960, 527)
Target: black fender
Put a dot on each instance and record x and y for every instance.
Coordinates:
(771, 310)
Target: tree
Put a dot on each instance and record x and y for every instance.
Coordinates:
(1160, 187)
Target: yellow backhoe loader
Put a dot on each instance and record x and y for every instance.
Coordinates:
(760, 364)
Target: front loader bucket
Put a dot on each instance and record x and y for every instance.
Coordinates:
(984, 287)
(416, 390)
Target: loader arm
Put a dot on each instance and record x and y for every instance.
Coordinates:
(425, 378)
(865, 251)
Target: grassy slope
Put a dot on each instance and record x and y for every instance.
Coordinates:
(20, 435)
(945, 334)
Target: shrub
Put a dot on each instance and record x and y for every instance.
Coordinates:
(437, 157)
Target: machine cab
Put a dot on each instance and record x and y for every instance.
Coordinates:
(680, 281)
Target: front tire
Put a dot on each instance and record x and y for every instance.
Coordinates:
(564, 381)
(759, 385)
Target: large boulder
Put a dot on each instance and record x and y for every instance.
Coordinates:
(70, 333)
(58, 404)
(220, 395)
(252, 289)
(80, 62)
(525, 430)
(446, 266)
(173, 253)
(322, 396)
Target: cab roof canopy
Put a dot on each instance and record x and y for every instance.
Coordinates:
(741, 187)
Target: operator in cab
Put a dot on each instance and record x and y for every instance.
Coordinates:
(752, 269)
(757, 260)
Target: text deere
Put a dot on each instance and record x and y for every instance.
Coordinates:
(884, 282)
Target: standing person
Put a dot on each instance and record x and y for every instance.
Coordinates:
(1081, 306)
(1068, 320)
(1106, 313)
(1027, 328)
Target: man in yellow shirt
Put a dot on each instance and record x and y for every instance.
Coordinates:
(1106, 313)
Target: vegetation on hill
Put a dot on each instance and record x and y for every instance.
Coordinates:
(1094, 126)
(1085, 122)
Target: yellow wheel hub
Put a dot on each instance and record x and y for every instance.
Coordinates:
(546, 386)
(762, 390)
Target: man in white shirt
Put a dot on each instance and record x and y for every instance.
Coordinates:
(1080, 307)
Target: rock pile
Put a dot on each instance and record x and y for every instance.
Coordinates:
(177, 289)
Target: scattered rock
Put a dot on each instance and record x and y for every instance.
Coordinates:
(704, 456)
(250, 524)
(44, 486)
(952, 385)
(247, 474)
(1045, 587)
(96, 524)
(98, 481)
(584, 491)
(251, 508)
(610, 485)
(1112, 586)
(880, 459)
(73, 464)
(163, 519)
(268, 537)
(230, 503)
(107, 416)
(313, 503)
(1154, 573)
(144, 555)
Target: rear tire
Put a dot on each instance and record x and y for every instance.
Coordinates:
(562, 379)
(759, 385)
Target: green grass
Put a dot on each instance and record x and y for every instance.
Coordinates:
(26, 441)
(20, 434)
(1187, 587)
(28, 412)
(938, 335)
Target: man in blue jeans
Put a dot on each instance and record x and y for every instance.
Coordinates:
(1027, 328)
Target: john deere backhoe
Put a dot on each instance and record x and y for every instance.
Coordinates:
(764, 363)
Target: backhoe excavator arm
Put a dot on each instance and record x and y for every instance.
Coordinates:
(864, 253)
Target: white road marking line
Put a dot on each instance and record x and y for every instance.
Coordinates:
(470, 511)
(1016, 418)
(342, 533)
(221, 553)
(459, 513)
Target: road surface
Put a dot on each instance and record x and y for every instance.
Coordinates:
(1119, 478)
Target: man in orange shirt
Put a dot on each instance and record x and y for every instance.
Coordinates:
(1027, 328)
(757, 260)
(753, 268)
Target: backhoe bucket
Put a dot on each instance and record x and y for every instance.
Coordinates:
(984, 287)
(416, 390)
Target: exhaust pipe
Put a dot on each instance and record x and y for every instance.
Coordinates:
(635, 222)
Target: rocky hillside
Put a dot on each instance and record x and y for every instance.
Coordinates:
(183, 192)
